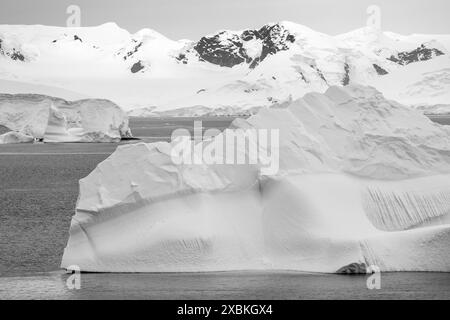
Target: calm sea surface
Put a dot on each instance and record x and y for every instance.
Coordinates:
(444, 119)
(38, 192)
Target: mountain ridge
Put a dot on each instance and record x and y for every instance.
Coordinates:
(240, 70)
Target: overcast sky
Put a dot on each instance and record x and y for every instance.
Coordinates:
(193, 18)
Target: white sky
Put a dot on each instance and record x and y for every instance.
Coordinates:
(193, 18)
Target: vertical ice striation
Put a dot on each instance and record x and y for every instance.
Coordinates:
(399, 210)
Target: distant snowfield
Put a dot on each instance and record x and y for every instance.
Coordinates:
(13, 87)
(415, 81)
(363, 182)
(229, 72)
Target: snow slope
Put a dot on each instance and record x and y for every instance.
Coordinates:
(362, 180)
(426, 83)
(226, 70)
(57, 120)
(14, 87)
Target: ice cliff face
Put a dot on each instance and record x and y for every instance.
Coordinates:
(15, 137)
(362, 180)
(57, 120)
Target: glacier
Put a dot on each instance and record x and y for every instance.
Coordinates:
(56, 120)
(226, 72)
(362, 180)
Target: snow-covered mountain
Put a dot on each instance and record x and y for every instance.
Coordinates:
(224, 72)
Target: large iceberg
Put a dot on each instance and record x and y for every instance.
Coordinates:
(56, 120)
(361, 180)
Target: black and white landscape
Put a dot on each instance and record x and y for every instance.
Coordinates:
(340, 163)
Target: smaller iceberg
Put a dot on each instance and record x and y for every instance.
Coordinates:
(15, 137)
(56, 120)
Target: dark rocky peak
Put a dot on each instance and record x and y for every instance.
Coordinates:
(134, 61)
(68, 37)
(275, 38)
(228, 49)
(182, 58)
(248, 35)
(129, 52)
(319, 72)
(138, 66)
(224, 49)
(379, 70)
(14, 54)
(422, 53)
(346, 77)
(134, 50)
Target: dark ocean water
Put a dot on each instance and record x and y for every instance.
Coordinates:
(226, 285)
(162, 128)
(38, 192)
(444, 119)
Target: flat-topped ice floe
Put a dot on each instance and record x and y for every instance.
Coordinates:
(361, 181)
(56, 120)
